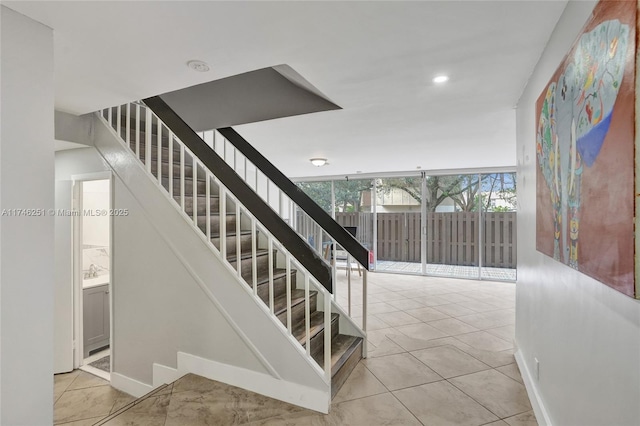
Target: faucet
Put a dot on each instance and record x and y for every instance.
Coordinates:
(93, 271)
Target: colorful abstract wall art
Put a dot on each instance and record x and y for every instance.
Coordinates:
(585, 151)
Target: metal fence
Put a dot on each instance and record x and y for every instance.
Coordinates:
(452, 238)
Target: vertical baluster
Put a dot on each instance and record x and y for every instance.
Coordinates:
(223, 222)
(137, 131)
(207, 193)
(327, 334)
(128, 127)
(110, 117)
(307, 315)
(159, 160)
(119, 121)
(270, 257)
(170, 171)
(238, 248)
(182, 153)
(364, 310)
(288, 268)
(349, 284)
(147, 140)
(194, 188)
(245, 169)
(280, 202)
(254, 256)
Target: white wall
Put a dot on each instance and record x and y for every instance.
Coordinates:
(95, 198)
(26, 243)
(585, 335)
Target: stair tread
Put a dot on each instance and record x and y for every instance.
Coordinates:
(342, 347)
(316, 325)
(231, 257)
(232, 234)
(280, 301)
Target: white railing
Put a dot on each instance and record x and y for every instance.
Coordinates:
(135, 124)
(306, 227)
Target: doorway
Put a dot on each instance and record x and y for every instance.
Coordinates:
(92, 272)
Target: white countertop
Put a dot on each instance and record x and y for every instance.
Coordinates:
(96, 281)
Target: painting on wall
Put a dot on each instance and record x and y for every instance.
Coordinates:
(585, 151)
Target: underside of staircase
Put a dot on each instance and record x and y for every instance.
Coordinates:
(346, 350)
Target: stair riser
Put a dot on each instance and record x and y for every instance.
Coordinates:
(279, 287)
(188, 186)
(317, 342)
(297, 311)
(245, 244)
(215, 224)
(214, 204)
(188, 170)
(262, 265)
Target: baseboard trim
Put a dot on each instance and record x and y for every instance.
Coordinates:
(542, 415)
(128, 385)
(293, 393)
(164, 375)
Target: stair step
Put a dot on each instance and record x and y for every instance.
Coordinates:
(188, 185)
(214, 220)
(279, 284)
(297, 306)
(214, 204)
(246, 265)
(346, 352)
(188, 171)
(316, 327)
(245, 241)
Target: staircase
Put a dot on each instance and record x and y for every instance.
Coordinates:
(262, 264)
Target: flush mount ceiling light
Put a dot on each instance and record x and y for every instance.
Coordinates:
(318, 162)
(440, 79)
(199, 66)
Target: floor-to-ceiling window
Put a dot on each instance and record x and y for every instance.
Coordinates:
(457, 225)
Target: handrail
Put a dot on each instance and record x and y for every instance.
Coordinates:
(307, 257)
(346, 240)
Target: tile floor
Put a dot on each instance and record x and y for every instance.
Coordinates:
(440, 353)
(502, 274)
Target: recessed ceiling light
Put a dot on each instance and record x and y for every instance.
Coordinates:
(440, 79)
(318, 162)
(199, 66)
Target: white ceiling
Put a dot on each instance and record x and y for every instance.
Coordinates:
(374, 59)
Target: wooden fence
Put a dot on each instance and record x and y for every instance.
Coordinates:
(452, 238)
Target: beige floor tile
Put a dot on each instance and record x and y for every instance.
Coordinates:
(378, 410)
(498, 423)
(511, 370)
(401, 371)
(122, 400)
(149, 412)
(421, 331)
(297, 419)
(524, 419)
(454, 310)
(61, 382)
(412, 344)
(485, 341)
(373, 323)
(380, 308)
(441, 404)
(399, 318)
(85, 403)
(506, 332)
(457, 297)
(406, 304)
(427, 314)
(452, 326)
(449, 361)
(377, 336)
(361, 383)
(503, 396)
(86, 380)
(432, 300)
(388, 296)
(386, 347)
(477, 306)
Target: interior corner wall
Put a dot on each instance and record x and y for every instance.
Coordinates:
(585, 335)
(26, 242)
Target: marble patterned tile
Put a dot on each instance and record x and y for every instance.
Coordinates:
(432, 300)
(412, 344)
(506, 332)
(427, 314)
(442, 404)
(421, 331)
(406, 304)
(359, 384)
(452, 326)
(449, 361)
(121, 401)
(485, 341)
(85, 380)
(377, 410)
(524, 419)
(148, 412)
(61, 382)
(396, 319)
(297, 419)
(512, 371)
(503, 396)
(377, 336)
(85, 403)
(86, 422)
(401, 371)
